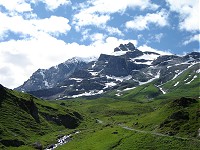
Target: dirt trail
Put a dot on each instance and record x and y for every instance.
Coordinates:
(156, 133)
(150, 132)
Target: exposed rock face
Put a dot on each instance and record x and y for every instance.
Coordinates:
(76, 77)
(116, 66)
(184, 102)
(193, 56)
(14, 143)
(69, 121)
(180, 115)
(125, 47)
(48, 78)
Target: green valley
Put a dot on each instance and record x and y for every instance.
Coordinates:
(142, 118)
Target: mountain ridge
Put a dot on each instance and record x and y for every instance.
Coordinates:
(126, 66)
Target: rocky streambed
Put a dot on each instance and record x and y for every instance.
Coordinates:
(63, 140)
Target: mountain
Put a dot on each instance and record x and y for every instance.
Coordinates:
(27, 120)
(126, 68)
(48, 78)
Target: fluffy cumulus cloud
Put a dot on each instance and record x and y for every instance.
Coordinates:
(25, 5)
(188, 11)
(145, 48)
(97, 12)
(53, 25)
(53, 4)
(85, 19)
(16, 5)
(142, 22)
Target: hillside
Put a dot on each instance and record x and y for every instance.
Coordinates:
(150, 116)
(27, 120)
(132, 125)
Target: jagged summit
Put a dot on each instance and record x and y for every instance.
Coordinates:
(126, 67)
(125, 47)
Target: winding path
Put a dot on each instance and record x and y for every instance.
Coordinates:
(150, 132)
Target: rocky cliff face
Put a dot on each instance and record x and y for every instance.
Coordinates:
(126, 67)
(48, 78)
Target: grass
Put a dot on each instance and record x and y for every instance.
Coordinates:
(117, 138)
(25, 120)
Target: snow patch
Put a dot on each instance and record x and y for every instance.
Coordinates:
(156, 77)
(42, 73)
(85, 94)
(128, 89)
(148, 57)
(80, 59)
(191, 80)
(94, 73)
(94, 65)
(110, 84)
(119, 78)
(161, 89)
(169, 67)
(46, 83)
(198, 71)
(183, 71)
(118, 94)
(63, 86)
(119, 53)
(176, 84)
(76, 79)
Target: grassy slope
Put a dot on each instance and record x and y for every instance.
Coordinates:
(143, 116)
(182, 88)
(138, 110)
(25, 120)
(117, 138)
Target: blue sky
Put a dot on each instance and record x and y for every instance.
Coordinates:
(42, 33)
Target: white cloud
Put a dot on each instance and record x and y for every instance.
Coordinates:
(53, 25)
(100, 36)
(142, 22)
(113, 6)
(16, 5)
(192, 39)
(54, 4)
(97, 12)
(189, 13)
(97, 37)
(145, 48)
(113, 31)
(20, 6)
(85, 19)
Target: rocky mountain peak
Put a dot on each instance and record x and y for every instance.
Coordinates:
(126, 67)
(125, 47)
